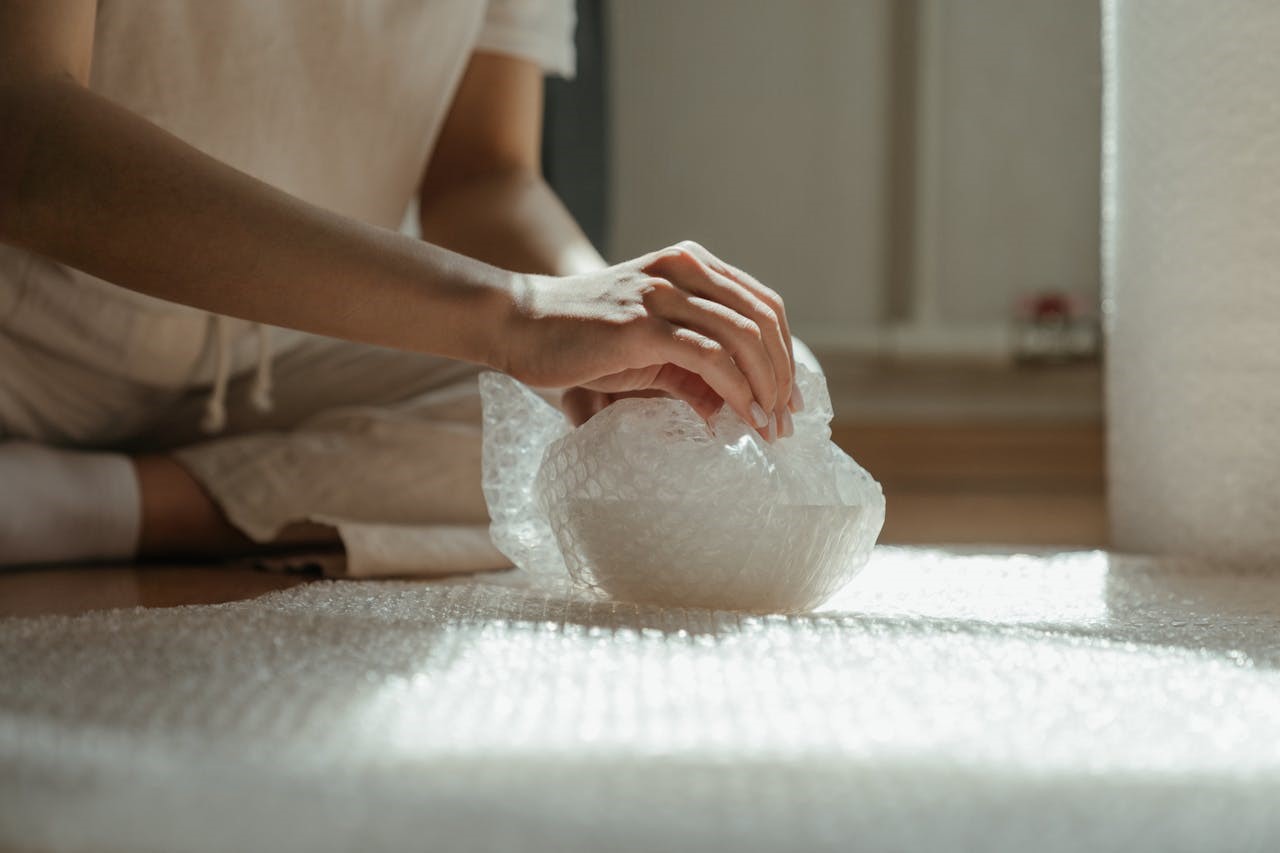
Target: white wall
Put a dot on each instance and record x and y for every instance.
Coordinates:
(1018, 153)
(760, 128)
(755, 128)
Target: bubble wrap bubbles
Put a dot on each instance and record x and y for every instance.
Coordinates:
(643, 503)
(973, 701)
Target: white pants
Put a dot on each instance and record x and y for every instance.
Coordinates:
(383, 445)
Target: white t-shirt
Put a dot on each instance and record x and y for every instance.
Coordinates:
(336, 102)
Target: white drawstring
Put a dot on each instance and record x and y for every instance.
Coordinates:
(260, 397)
(215, 409)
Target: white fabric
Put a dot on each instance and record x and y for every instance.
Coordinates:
(62, 506)
(987, 702)
(384, 445)
(539, 31)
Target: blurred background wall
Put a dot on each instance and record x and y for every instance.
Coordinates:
(905, 173)
(901, 170)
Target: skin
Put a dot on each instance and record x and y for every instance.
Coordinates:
(503, 276)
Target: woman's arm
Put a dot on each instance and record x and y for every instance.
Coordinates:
(483, 193)
(93, 185)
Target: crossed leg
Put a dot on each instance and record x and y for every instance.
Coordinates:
(357, 432)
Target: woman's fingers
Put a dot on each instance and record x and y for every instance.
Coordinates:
(770, 298)
(690, 387)
(740, 337)
(765, 294)
(686, 268)
(774, 301)
(709, 359)
(581, 404)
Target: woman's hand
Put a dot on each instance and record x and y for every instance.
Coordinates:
(679, 321)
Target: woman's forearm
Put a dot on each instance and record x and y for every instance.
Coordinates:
(95, 186)
(510, 219)
(90, 184)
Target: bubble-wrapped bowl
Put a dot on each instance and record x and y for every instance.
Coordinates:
(763, 558)
(645, 503)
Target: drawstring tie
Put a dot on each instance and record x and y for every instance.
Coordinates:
(215, 409)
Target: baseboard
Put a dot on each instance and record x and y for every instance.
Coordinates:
(972, 342)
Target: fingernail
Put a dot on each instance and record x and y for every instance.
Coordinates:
(758, 417)
(773, 429)
(788, 425)
(797, 399)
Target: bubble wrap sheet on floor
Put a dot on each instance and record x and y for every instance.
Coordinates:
(944, 702)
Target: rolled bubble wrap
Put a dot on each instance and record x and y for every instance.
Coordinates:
(644, 503)
(1192, 275)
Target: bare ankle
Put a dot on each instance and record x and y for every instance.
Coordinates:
(180, 518)
(178, 515)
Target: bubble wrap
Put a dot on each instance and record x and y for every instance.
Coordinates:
(946, 701)
(1191, 213)
(643, 503)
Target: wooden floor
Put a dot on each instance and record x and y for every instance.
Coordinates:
(77, 589)
(965, 453)
(1030, 484)
(977, 453)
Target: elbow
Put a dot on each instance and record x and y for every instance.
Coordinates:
(442, 184)
(481, 196)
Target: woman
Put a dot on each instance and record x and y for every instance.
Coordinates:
(213, 337)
